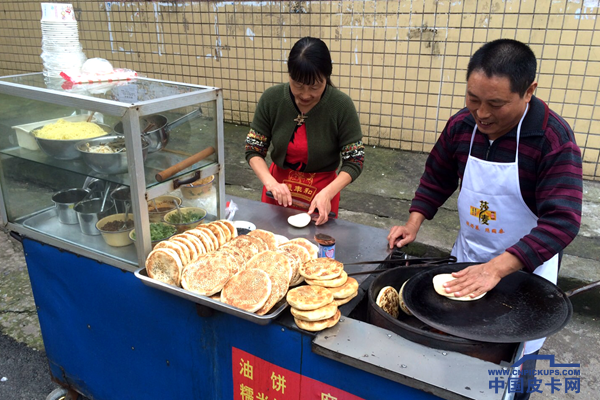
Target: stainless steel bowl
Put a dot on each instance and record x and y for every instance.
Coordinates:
(65, 201)
(107, 163)
(63, 149)
(89, 212)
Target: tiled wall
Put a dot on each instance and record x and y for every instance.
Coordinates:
(403, 62)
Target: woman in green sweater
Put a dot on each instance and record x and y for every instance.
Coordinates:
(312, 126)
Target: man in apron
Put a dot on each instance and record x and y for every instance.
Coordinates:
(520, 178)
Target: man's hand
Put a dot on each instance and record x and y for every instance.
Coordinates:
(402, 235)
(478, 279)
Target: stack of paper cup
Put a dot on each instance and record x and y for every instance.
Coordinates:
(61, 50)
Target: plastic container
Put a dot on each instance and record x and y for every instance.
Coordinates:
(326, 245)
(65, 202)
(198, 189)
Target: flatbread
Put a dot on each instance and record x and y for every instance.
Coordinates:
(387, 300)
(301, 252)
(329, 283)
(224, 229)
(438, 286)
(178, 247)
(309, 298)
(211, 236)
(321, 268)
(312, 248)
(208, 274)
(248, 290)
(248, 247)
(401, 302)
(218, 232)
(268, 237)
(231, 227)
(164, 265)
(341, 302)
(195, 241)
(239, 258)
(280, 239)
(340, 292)
(315, 326)
(192, 251)
(319, 314)
(204, 238)
(277, 266)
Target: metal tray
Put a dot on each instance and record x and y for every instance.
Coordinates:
(208, 302)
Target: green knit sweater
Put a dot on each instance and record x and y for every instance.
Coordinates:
(332, 129)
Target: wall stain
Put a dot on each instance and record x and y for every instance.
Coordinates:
(427, 36)
(298, 7)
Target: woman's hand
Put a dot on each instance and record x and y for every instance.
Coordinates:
(322, 203)
(281, 193)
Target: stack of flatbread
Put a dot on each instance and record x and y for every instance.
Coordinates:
(329, 273)
(313, 307)
(167, 261)
(251, 272)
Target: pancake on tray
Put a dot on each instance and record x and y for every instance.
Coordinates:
(329, 283)
(208, 274)
(218, 232)
(239, 257)
(278, 267)
(347, 289)
(248, 247)
(312, 248)
(301, 252)
(268, 237)
(178, 247)
(196, 241)
(231, 227)
(319, 314)
(309, 298)
(248, 290)
(192, 251)
(341, 302)
(224, 229)
(203, 237)
(164, 265)
(321, 268)
(315, 326)
(210, 234)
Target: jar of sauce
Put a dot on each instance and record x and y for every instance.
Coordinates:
(326, 245)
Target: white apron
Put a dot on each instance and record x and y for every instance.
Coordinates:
(493, 216)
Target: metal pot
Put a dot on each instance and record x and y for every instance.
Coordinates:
(121, 197)
(89, 213)
(156, 129)
(65, 201)
(416, 331)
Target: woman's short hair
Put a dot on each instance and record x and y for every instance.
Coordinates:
(310, 61)
(508, 58)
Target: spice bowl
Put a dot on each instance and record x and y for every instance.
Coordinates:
(185, 218)
(159, 231)
(110, 229)
(164, 204)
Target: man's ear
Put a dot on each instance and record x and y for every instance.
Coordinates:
(529, 92)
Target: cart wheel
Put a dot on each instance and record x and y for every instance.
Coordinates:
(58, 394)
(62, 394)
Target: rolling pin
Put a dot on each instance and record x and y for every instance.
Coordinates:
(180, 166)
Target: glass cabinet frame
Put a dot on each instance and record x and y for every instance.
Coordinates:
(142, 187)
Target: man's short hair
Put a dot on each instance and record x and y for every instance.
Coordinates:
(508, 58)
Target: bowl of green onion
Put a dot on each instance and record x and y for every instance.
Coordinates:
(185, 218)
(159, 231)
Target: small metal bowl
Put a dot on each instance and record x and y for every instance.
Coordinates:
(88, 214)
(198, 189)
(65, 201)
(164, 204)
(108, 163)
(64, 149)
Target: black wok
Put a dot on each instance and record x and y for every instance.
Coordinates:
(156, 128)
(416, 331)
(521, 307)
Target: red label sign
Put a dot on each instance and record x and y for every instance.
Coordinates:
(257, 379)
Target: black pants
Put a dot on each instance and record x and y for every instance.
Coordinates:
(528, 367)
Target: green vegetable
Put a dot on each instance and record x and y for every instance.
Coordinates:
(185, 217)
(159, 231)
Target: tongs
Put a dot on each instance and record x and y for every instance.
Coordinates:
(402, 261)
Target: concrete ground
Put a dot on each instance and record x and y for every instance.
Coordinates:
(380, 198)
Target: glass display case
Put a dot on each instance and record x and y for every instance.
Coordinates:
(74, 158)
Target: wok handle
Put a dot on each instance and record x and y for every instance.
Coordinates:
(180, 166)
(582, 289)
